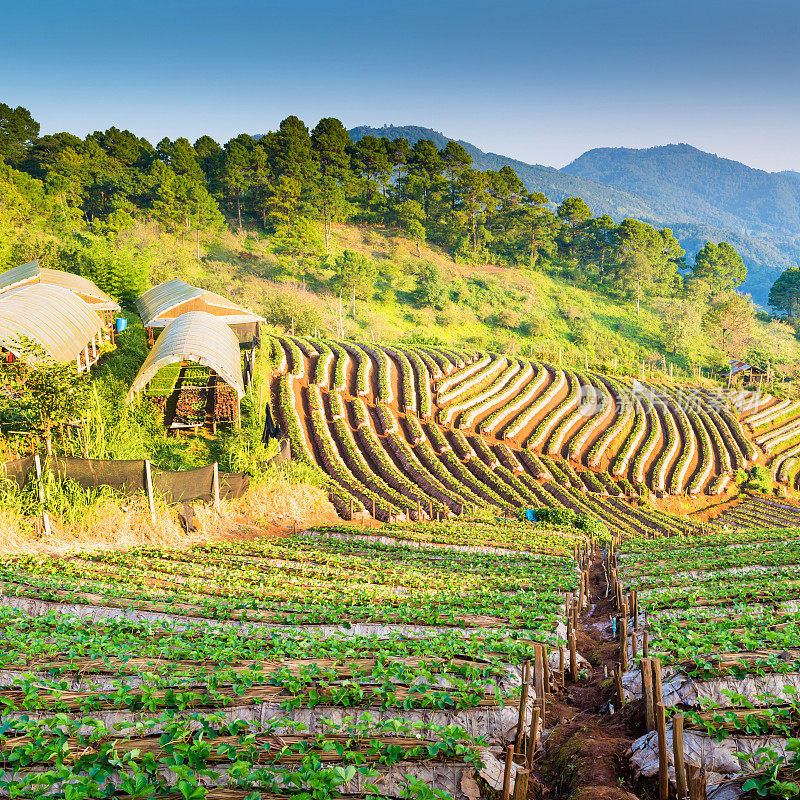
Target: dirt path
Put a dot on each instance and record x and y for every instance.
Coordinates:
(584, 753)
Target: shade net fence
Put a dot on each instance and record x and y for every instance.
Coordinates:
(130, 477)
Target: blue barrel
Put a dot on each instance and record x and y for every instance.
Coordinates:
(120, 324)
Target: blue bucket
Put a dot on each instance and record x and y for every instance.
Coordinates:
(120, 324)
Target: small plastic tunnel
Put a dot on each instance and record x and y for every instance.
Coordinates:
(193, 373)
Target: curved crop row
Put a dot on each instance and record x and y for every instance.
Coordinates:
(352, 454)
(460, 472)
(341, 367)
(535, 381)
(671, 446)
(765, 417)
(411, 465)
(542, 430)
(742, 442)
(625, 410)
(444, 364)
(322, 369)
(291, 420)
(594, 421)
(433, 367)
(736, 457)
(363, 369)
(689, 449)
(376, 451)
(385, 393)
(294, 357)
(406, 378)
(307, 346)
(451, 381)
(462, 389)
(706, 452)
(422, 379)
(723, 456)
(499, 396)
(783, 463)
(776, 437)
(523, 419)
(481, 402)
(333, 462)
(535, 465)
(643, 454)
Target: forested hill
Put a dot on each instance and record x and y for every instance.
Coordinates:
(682, 183)
(555, 183)
(699, 195)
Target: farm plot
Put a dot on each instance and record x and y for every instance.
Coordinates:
(429, 434)
(321, 663)
(711, 628)
(759, 512)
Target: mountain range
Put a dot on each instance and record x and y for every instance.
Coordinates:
(699, 195)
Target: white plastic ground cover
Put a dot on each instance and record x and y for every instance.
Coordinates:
(498, 724)
(458, 779)
(722, 766)
(415, 544)
(38, 608)
(681, 690)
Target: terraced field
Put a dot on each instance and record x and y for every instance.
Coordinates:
(718, 618)
(420, 433)
(326, 663)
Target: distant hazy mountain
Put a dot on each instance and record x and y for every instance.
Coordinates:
(699, 195)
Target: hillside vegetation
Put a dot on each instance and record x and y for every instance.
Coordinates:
(700, 196)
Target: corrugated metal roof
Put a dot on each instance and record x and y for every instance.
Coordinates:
(195, 336)
(155, 305)
(741, 366)
(31, 273)
(53, 316)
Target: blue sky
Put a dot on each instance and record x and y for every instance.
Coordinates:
(541, 81)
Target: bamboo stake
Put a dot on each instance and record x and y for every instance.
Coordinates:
(677, 755)
(521, 784)
(45, 516)
(623, 641)
(658, 694)
(507, 772)
(520, 737)
(647, 693)
(215, 486)
(533, 738)
(663, 763)
(573, 658)
(618, 681)
(148, 479)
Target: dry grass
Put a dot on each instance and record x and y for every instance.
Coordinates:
(267, 510)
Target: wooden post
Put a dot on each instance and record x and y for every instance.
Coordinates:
(507, 772)
(635, 608)
(148, 479)
(351, 508)
(647, 693)
(573, 659)
(539, 679)
(663, 763)
(521, 784)
(523, 702)
(561, 662)
(533, 738)
(623, 640)
(373, 508)
(618, 682)
(677, 756)
(646, 644)
(215, 484)
(430, 510)
(45, 516)
(697, 783)
(658, 694)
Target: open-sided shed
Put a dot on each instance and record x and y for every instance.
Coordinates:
(54, 317)
(32, 273)
(162, 304)
(196, 337)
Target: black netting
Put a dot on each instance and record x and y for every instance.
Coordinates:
(128, 477)
(18, 470)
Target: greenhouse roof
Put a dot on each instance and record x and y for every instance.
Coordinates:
(195, 336)
(31, 273)
(53, 316)
(160, 305)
